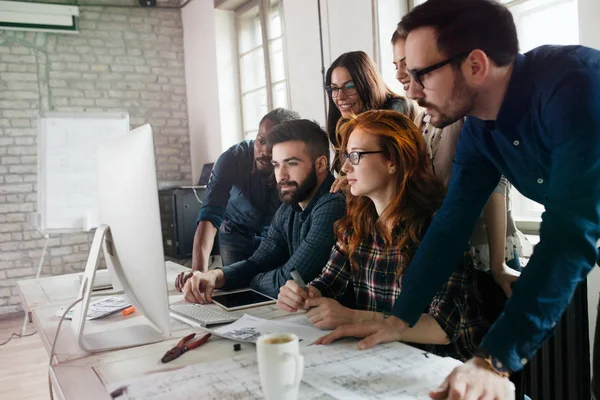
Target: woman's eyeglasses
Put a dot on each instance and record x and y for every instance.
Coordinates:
(354, 156)
(349, 89)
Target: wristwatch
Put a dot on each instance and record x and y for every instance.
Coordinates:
(493, 363)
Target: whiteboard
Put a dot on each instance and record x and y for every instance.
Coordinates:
(67, 167)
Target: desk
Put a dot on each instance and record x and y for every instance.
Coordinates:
(78, 374)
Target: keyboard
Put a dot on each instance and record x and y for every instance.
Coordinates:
(196, 314)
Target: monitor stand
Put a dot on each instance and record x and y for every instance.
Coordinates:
(110, 339)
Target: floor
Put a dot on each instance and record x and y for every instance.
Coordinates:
(23, 364)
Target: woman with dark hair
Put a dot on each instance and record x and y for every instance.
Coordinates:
(391, 197)
(353, 85)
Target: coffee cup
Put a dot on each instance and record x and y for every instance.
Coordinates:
(280, 365)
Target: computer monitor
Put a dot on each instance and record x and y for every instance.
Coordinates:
(130, 235)
(205, 175)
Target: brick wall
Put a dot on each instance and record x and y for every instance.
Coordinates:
(123, 59)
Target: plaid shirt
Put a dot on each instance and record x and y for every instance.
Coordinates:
(457, 307)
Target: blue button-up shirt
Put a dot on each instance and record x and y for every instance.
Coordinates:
(239, 195)
(546, 141)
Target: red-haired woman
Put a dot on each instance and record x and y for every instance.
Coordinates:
(391, 198)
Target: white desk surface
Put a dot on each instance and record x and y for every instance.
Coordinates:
(78, 374)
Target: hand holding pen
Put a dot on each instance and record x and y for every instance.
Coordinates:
(293, 295)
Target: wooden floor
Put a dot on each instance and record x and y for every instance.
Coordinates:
(23, 364)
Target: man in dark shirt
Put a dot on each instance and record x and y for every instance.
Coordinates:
(241, 200)
(301, 234)
(534, 118)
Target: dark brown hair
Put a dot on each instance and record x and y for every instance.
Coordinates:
(370, 87)
(466, 25)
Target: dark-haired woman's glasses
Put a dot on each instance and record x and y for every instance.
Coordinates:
(354, 156)
(349, 89)
(418, 74)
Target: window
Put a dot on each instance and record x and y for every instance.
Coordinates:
(263, 84)
(541, 22)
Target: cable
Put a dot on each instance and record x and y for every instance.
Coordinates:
(196, 194)
(62, 318)
(13, 335)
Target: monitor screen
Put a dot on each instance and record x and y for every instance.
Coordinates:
(205, 175)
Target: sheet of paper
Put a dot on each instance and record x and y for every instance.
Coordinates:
(248, 329)
(387, 371)
(100, 308)
(231, 379)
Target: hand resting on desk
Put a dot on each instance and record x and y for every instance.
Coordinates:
(199, 287)
(181, 279)
(323, 312)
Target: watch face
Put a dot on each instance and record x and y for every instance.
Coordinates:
(498, 365)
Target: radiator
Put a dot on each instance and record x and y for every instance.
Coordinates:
(561, 368)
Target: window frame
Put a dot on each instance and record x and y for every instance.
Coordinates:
(264, 8)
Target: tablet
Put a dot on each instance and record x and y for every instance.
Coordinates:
(239, 299)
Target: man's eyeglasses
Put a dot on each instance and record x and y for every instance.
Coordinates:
(418, 74)
(349, 89)
(354, 156)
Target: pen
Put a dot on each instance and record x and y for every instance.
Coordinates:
(298, 279)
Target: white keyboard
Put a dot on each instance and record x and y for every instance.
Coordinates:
(196, 314)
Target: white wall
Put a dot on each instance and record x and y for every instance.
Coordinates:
(201, 80)
(347, 25)
(389, 13)
(589, 35)
(303, 53)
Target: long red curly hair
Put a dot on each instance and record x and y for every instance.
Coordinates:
(418, 193)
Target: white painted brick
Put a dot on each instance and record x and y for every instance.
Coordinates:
(122, 59)
(10, 246)
(10, 256)
(22, 150)
(7, 58)
(19, 273)
(22, 169)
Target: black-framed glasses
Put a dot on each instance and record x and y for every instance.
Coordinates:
(349, 89)
(354, 156)
(418, 74)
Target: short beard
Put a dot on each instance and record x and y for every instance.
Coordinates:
(458, 107)
(302, 190)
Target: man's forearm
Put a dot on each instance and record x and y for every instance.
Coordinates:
(203, 244)
(495, 221)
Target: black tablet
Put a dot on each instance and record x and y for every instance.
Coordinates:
(240, 299)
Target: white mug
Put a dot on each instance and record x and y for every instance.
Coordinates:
(280, 365)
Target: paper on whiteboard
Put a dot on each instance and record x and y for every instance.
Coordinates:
(248, 328)
(67, 173)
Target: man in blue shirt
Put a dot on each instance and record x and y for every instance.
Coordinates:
(241, 199)
(301, 234)
(535, 118)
